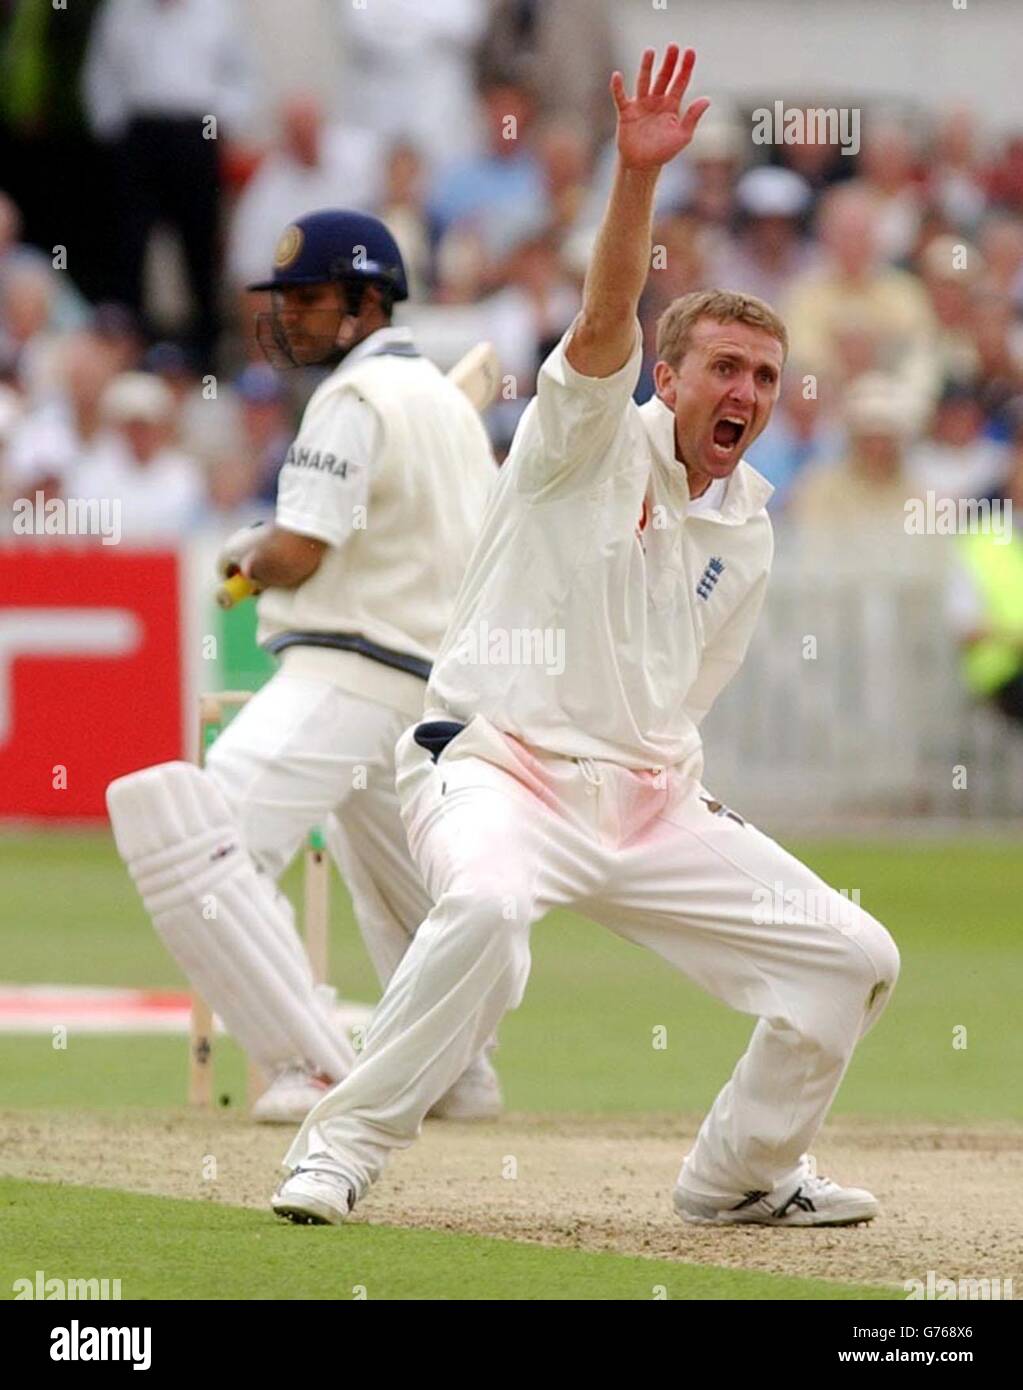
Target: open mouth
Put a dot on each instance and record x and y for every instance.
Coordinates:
(728, 433)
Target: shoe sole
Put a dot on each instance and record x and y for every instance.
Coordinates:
(807, 1220)
(853, 1216)
(307, 1211)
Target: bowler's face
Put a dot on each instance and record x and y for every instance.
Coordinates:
(722, 393)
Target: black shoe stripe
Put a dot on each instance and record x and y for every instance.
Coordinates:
(796, 1200)
(749, 1200)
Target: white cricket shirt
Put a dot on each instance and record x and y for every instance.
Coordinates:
(391, 467)
(599, 617)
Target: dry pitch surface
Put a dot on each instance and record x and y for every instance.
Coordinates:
(951, 1197)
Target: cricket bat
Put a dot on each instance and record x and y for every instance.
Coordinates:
(477, 375)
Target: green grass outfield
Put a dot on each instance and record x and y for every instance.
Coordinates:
(582, 1042)
(186, 1250)
(583, 1039)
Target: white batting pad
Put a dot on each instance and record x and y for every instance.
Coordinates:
(222, 920)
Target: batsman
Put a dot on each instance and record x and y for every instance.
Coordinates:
(641, 535)
(379, 503)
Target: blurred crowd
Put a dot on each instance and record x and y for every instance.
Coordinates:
(129, 364)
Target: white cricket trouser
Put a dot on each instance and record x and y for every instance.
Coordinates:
(301, 751)
(502, 834)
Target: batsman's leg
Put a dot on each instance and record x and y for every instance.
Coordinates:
(219, 917)
(278, 768)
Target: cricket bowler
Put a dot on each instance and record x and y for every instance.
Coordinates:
(640, 533)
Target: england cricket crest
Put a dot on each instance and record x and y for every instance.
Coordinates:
(710, 576)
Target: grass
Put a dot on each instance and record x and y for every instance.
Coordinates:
(165, 1248)
(582, 1040)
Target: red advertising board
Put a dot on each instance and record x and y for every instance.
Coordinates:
(90, 673)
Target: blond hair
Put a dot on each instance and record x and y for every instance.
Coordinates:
(675, 326)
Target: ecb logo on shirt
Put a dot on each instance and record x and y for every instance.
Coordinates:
(710, 577)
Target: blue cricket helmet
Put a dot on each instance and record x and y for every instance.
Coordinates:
(337, 244)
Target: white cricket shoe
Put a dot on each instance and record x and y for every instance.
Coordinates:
(290, 1096)
(815, 1202)
(476, 1095)
(314, 1197)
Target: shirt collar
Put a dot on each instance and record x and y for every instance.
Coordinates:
(383, 340)
(746, 494)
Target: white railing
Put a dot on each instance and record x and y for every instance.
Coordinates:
(877, 723)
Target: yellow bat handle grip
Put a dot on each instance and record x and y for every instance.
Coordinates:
(234, 590)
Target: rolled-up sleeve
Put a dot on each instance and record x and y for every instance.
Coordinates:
(575, 429)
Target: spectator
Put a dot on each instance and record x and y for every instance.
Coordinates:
(10, 414)
(160, 489)
(956, 174)
(681, 262)
(48, 444)
(232, 496)
(801, 437)
(154, 75)
(118, 330)
(171, 363)
(674, 194)
(462, 267)
(864, 495)
(409, 73)
(206, 413)
(314, 165)
(505, 182)
(933, 224)
(888, 170)
(402, 208)
(266, 427)
(27, 339)
(771, 248)
(68, 309)
(851, 285)
(533, 38)
(524, 319)
(1001, 242)
(51, 166)
(1005, 182)
(951, 269)
(715, 161)
(985, 604)
(954, 459)
(563, 149)
(821, 163)
(999, 343)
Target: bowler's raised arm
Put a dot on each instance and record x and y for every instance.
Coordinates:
(651, 131)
